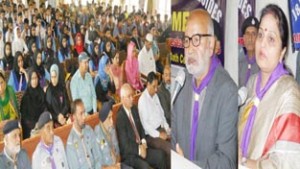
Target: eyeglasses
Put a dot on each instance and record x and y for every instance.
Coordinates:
(196, 39)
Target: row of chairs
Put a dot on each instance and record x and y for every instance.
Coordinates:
(63, 132)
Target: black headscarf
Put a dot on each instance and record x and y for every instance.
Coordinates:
(15, 65)
(64, 50)
(9, 58)
(39, 68)
(33, 101)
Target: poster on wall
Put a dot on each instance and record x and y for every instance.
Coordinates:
(246, 8)
(295, 23)
(180, 12)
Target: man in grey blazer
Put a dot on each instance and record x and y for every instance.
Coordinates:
(205, 112)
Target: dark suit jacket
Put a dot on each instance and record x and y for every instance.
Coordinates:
(165, 101)
(216, 144)
(129, 149)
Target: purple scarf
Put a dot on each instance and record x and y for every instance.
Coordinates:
(248, 73)
(276, 74)
(193, 135)
(49, 149)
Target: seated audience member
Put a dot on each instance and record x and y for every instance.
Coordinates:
(41, 71)
(18, 76)
(18, 43)
(155, 49)
(82, 85)
(79, 45)
(2, 58)
(146, 57)
(136, 39)
(107, 51)
(49, 56)
(33, 103)
(107, 139)
(153, 118)
(50, 151)
(28, 59)
(133, 146)
(164, 93)
(9, 58)
(13, 156)
(94, 61)
(64, 51)
(82, 151)
(133, 76)
(57, 98)
(116, 71)
(8, 103)
(104, 83)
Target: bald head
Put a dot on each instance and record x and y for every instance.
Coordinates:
(202, 18)
(126, 94)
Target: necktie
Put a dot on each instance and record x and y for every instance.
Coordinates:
(137, 136)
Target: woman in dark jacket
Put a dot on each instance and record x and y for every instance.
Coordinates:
(33, 103)
(8, 57)
(57, 98)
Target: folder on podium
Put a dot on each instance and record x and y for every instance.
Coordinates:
(179, 162)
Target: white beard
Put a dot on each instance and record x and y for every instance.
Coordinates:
(16, 149)
(196, 71)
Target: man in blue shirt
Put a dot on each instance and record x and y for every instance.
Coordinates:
(82, 86)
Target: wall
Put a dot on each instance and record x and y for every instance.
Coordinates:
(231, 39)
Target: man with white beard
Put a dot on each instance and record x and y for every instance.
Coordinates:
(13, 157)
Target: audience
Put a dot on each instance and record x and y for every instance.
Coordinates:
(28, 43)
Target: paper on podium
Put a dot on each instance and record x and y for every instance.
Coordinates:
(179, 162)
(242, 167)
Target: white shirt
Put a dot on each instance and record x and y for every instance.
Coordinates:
(18, 44)
(146, 61)
(151, 114)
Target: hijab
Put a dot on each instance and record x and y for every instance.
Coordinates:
(79, 46)
(104, 78)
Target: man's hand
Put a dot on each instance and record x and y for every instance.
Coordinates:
(163, 135)
(143, 150)
(179, 150)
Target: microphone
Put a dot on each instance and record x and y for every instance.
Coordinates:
(243, 92)
(179, 81)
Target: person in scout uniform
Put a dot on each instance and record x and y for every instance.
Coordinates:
(107, 139)
(50, 152)
(82, 151)
(13, 157)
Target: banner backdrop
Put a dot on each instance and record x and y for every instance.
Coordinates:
(246, 8)
(180, 12)
(295, 23)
